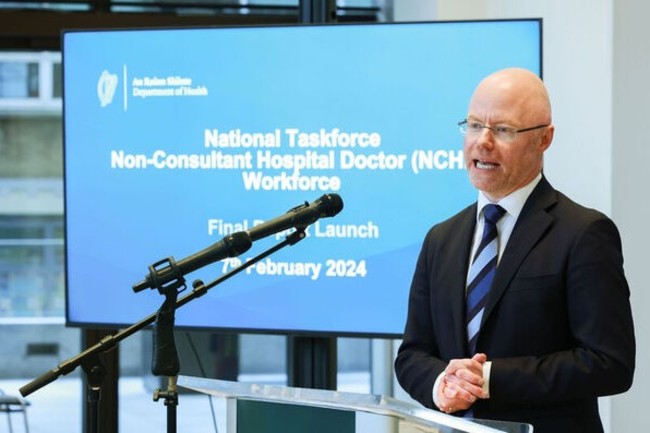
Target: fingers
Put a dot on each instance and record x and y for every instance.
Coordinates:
(462, 384)
(451, 409)
(448, 396)
(467, 377)
(479, 357)
(474, 365)
(468, 390)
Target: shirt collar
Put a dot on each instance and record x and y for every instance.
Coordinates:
(514, 202)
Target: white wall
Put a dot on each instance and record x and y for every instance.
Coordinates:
(597, 68)
(631, 207)
(577, 67)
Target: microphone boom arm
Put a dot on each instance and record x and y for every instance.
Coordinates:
(110, 341)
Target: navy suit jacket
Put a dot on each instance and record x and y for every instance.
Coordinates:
(557, 326)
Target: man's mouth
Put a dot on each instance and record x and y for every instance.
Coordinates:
(484, 165)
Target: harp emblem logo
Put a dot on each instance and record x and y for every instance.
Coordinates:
(106, 86)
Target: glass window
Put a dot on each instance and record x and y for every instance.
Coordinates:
(32, 300)
(19, 79)
(57, 80)
(31, 267)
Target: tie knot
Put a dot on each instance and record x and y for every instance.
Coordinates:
(492, 213)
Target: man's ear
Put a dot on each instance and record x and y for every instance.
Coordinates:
(547, 137)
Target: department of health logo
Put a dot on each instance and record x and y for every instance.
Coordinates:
(106, 86)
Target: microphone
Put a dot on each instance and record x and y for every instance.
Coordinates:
(301, 216)
(230, 246)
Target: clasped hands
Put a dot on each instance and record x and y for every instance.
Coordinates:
(462, 384)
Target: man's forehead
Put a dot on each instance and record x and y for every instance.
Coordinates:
(499, 107)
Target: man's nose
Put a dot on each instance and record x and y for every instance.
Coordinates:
(485, 138)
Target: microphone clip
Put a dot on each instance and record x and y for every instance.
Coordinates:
(296, 209)
(299, 207)
(295, 236)
(177, 282)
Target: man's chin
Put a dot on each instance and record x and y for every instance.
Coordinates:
(486, 186)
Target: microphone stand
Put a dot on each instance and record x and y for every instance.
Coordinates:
(90, 359)
(165, 356)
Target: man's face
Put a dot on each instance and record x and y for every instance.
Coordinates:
(495, 166)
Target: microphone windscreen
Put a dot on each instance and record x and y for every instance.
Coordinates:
(331, 204)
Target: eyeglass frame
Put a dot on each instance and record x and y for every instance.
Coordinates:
(462, 125)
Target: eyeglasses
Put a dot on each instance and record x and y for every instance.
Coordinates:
(501, 132)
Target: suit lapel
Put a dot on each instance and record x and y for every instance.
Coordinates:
(531, 225)
(459, 250)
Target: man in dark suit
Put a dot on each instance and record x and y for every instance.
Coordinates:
(555, 328)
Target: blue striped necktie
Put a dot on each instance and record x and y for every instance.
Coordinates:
(481, 273)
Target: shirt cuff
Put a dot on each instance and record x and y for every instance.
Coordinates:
(436, 386)
(487, 368)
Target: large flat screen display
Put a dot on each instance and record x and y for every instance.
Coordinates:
(177, 138)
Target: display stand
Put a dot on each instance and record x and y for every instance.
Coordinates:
(311, 362)
(272, 408)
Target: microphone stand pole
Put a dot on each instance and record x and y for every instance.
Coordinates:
(90, 360)
(165, 356)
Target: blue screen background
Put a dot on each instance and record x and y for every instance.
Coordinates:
(410, 83)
